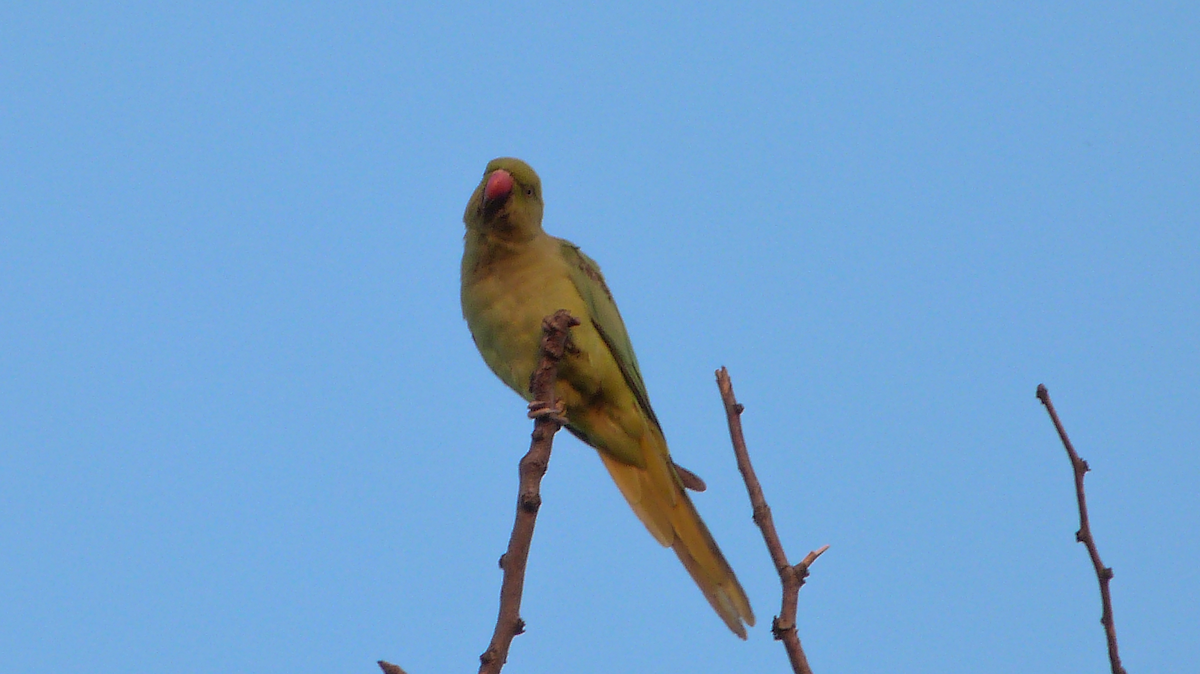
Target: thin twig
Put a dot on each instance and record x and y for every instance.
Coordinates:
(555, 331)
(555, 335)
(790, 576)
(1084, 535)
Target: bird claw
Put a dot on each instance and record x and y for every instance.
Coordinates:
(540, 409)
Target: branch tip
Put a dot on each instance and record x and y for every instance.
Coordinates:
(1084, 534)
(791, 578)
(389, 668)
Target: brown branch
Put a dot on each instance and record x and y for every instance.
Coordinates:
(1084, 535)
(791, 577)
(556, 330)
(548, 415)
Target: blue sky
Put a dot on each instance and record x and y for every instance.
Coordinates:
(243, 426)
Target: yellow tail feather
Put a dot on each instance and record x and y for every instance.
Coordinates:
(657, 497)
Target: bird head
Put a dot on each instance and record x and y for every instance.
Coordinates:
(508, 201)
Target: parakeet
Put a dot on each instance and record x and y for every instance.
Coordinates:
(513, 276)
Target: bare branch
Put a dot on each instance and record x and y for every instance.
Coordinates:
(548, 416)
(791, 577)
(1084, 535)
(555, 331)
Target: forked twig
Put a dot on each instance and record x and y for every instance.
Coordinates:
(790, 576)
(1084, 535)
(555, 333)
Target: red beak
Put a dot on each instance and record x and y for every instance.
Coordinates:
(499, 186)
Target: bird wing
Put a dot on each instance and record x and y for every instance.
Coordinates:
(588, 280)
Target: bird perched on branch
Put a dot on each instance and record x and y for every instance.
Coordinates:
(513, 276)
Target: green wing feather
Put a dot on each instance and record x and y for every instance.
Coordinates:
(588, 280)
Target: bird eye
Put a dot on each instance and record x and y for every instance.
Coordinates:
(529, 191)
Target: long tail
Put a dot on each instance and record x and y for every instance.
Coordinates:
(656, 494)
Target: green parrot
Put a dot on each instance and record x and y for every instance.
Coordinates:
(513, 276)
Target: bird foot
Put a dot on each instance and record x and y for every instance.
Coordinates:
(540, 409)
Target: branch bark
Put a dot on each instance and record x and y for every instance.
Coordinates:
(790, 576)
(1084, 535)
